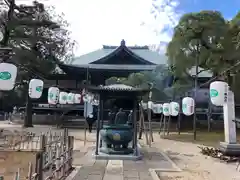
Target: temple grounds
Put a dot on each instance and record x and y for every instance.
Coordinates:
(165, 160)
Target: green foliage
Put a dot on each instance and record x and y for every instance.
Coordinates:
(211, 41)
(199, 36)
(144, 79)
(38, 37)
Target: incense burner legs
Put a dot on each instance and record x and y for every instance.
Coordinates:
(116, 139)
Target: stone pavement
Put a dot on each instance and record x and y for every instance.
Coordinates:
(119, 169)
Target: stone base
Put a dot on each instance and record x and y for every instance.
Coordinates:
(230, 149)
(119, 151)
(106, 156)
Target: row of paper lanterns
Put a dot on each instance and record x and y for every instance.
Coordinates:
(219, 92)
(56, 96)
(173, 108)
(8, 72)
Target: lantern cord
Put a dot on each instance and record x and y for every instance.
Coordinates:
(214, 78)
(41, 76)
(228, 69)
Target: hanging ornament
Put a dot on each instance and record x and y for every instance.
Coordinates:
(63, 98)
(70, 98)
(8, 74)
(90, 98)
(219, 92)
(35, 88)
(174, 108)
(155, 108)
(188, 106)
(53, 95)
(144, 105)
(159, 108)
(150, 105)
(85, 97)
(77, 98)
(166, 109)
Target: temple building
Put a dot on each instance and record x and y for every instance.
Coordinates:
(118, 61)
(104, 63)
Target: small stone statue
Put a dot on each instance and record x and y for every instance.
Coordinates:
(121, 117)
(130, 118)
(112, 115)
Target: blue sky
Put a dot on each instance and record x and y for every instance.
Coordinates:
(228, 8)
(97, 22)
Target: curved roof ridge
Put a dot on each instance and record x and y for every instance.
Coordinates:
(130, 47)
(118, 49)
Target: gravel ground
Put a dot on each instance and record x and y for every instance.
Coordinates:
(195, 166)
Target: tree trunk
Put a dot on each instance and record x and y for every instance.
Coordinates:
(28, 113)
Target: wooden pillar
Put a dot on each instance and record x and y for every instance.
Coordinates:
(98, 124)
(135, 128)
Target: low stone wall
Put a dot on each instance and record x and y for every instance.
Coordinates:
(41, 119)
(37, 119)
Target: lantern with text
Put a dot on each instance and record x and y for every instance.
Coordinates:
(150, 105)
(63, 98)
(144, 105)
(219, 92)
(154, 108)
(8, 74)
(77, 98)
(35, 88)
(174, 108)
(166, 109)
(160, 108)
(53, 95)
(188, 106)
(70, 98)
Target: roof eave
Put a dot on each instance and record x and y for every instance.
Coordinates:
(117, 50)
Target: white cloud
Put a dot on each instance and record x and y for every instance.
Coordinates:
(164, 17)
(97, 22)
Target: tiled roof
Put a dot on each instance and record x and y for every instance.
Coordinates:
(116, 87)
(142, 51)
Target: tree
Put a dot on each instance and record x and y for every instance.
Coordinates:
(156, 77)
(38, 42)
(203, 36)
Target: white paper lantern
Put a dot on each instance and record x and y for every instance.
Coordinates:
(150, 105)
(174, 108)
(90, 98)
(188, 106)
(1, 35)
(35, 88)
(160, 108)
(166, 109)
(219, 92)
(85, 98)
(70, 98)
(77, 98)
(8, 74)
(155, 108)
(95, 102)
(53, 95)
(144, 105)
(63, 98)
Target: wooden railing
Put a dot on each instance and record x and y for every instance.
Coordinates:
(54, 153)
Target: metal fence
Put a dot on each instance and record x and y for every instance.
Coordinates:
(54, 153)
